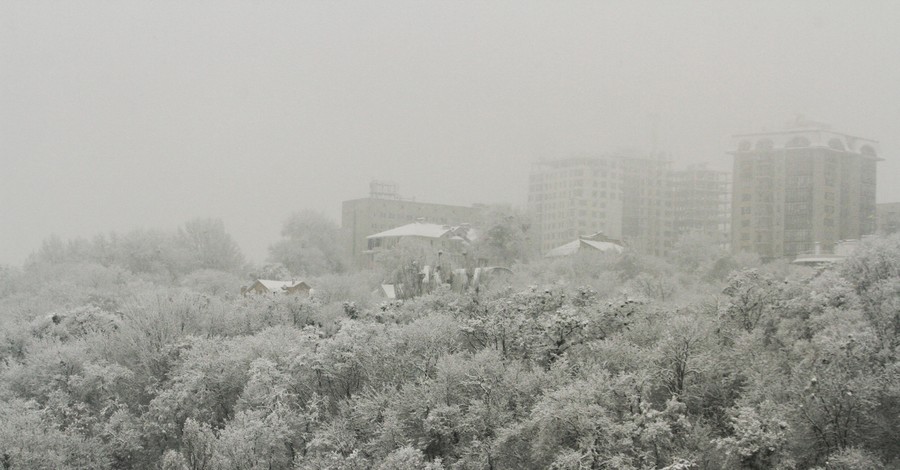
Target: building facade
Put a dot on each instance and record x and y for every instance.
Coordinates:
(442, 243)
(384, 209)
(701, 202)
(624, 197)
(888, 216)
(647, 207)
(800, 187)
(575, 196)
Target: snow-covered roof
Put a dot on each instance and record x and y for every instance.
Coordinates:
(817, 259)
(576, 246)
(841, 250)
(417, 229)
(278, 286)
(389, 291)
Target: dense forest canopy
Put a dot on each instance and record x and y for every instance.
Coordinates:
(138, 351)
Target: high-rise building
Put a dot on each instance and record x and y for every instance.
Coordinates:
(701, 200)
(639, 200)
(888, 216)
(800, 188)
(647, 212)
(575, 196)
(384, 209)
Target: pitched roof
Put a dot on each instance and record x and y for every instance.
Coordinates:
(577, 245)
(389, 291)
(416, 229)
(278, 286)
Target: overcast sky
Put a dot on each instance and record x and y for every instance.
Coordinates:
(120, 115)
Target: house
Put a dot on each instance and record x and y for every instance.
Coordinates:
(437, 234)
(450, 241)
(596, 243)
(819, 256)
(266, 286)
(386, 208)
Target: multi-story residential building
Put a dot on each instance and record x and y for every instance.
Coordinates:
(384, 209)
(575, 196)
(624, 197)
(803, 186)
(701, 200)
(888, 217)
(647, 212)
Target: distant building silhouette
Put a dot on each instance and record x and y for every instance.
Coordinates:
(799, 187)
(647, 212)
(574, 196)
(701, 202)
(630, 198)
(888, 217)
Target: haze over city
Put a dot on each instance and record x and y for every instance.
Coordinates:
(463, 235)
(145, 115)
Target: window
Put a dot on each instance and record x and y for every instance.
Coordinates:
(764, 144)
(801, 181)
(798, 141)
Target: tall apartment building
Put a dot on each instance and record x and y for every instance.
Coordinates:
(800, 187)
(647, 212)
(701, 202)
(575, 196)
(384, 209)
(888, 217)
(640, 200)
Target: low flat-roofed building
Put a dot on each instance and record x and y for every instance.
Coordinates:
(820, 256)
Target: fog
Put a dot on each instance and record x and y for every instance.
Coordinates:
(119, 115)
